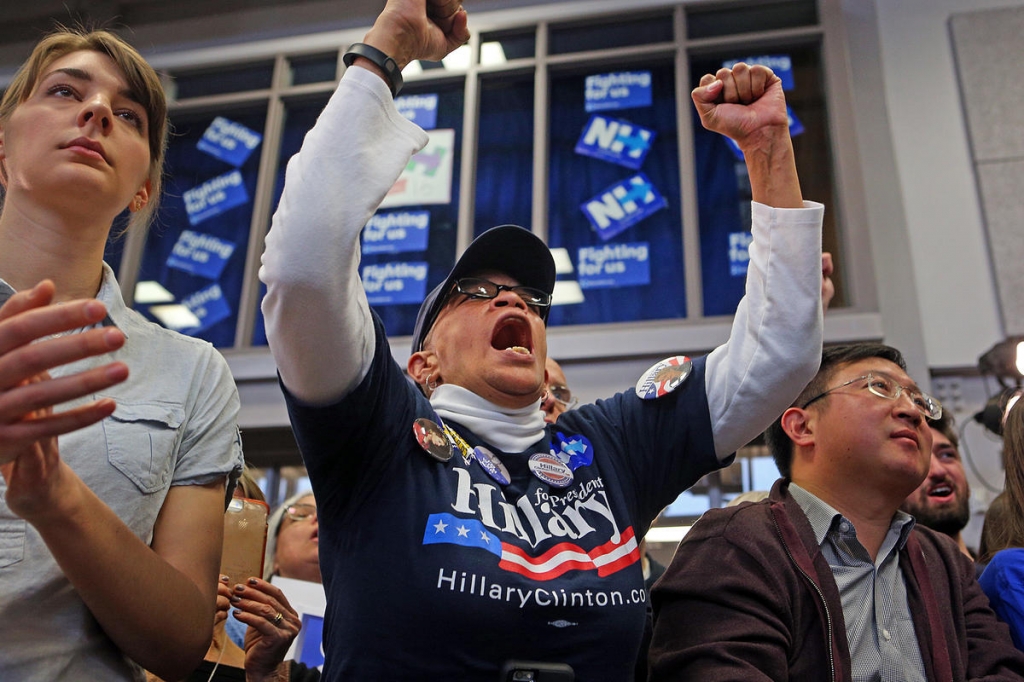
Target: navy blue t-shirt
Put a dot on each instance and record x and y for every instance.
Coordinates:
(435, 571)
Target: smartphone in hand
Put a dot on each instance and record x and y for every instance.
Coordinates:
(245, 538)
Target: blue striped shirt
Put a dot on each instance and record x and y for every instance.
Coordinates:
(879, 627)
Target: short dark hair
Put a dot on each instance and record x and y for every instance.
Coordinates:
(944, 425)
(832, 359)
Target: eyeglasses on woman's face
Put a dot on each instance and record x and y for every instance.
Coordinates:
(301, 512)
(477, 287)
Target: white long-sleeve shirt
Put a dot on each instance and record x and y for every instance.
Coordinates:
(318, 319)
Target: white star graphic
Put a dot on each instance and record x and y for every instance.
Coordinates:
(483, 536)
(463, 531)
(439, 527)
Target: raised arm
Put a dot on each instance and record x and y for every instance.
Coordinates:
(317, 317)
(775, 343)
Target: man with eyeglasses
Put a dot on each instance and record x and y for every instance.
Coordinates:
(515, 539)
(827, 579)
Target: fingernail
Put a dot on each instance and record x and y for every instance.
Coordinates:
(239, 588)
(94, 309)
(224, 578)
(252, 581)
(234, 599)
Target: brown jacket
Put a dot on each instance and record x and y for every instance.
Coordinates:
(749, 596)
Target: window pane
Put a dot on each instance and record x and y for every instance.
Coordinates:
(504, 179)
(318, 68)
(609, 33)
(507, 46)
(223, 80)
(614, 289)
(439, 256)
(713, 21)
(300, 115)
(723, 187)
(398, 316)
(196, 250)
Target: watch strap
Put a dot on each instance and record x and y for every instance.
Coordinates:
(384, 62)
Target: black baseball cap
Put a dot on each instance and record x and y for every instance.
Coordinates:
(509, 249)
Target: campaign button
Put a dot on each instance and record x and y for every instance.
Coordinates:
(574, 450)
(490, 463)
(664, 377)
(550, 469)
(432, 439)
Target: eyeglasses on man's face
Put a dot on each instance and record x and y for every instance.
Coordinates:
(477, 287)
(563, 396)
(885, 386)
(300, 512)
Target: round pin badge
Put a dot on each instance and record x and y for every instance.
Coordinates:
(490, 463)
(548, 468)
(664, 377)
(573, 450)
(432, 439)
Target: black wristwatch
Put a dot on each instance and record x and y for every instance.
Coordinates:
(386, 64)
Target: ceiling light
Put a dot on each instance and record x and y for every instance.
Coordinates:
(492, 53)
(563, 263)
(567, 292)
(458, 60)
(152, 292)
(176, 317)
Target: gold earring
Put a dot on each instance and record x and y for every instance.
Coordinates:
(138, 203)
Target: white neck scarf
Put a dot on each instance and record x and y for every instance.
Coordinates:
(511, 430)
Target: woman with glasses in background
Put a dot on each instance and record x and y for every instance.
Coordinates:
(293, 551)
(293, 540)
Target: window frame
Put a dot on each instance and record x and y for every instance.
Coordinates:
(696, 333)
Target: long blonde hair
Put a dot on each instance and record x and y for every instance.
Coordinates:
(1013, 460)
(1004, 520)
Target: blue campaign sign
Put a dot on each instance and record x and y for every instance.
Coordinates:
(614, 265)
(200, 254)
(209, 305)
(795, 128)
(615, 140)
(621, 90)
(622, 205)
(215, 196)
(395, 283)
(739, 253)
(420, 109)
(312, 654)
(396, 232)
(781, 64)
(229, 141)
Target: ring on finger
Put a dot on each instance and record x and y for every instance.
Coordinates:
(276, 620)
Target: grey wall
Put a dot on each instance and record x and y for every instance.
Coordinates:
(989, 49)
